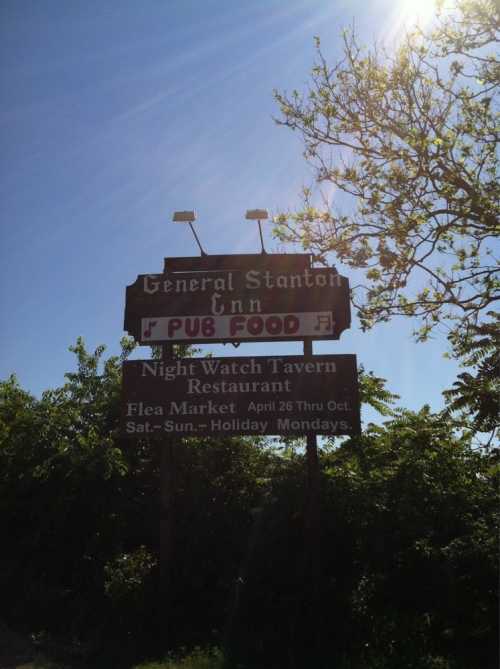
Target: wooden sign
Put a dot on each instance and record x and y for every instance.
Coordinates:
(252, 298)
(281, 395)
(285, 262)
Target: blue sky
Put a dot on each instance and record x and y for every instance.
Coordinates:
(117, 113)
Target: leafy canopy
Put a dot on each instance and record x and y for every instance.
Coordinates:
(409, 138)
(409, 525)
(475, 395)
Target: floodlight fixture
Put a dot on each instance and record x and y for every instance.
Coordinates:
(184, 216)
(188, 217)
(258, 215)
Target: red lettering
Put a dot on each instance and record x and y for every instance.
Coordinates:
(236, 324)
(274, 325)
(208, 326)
(173, 325)
(291, 324)
(255, 325)
(258, 325)
(192, 329)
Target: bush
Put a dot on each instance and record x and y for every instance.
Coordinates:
(198, 659)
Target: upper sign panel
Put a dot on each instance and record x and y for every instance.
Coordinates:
(263, 298)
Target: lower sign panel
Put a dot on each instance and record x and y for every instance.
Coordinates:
(279, 395)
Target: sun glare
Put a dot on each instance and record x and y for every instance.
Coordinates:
(413, 12)
(406, 15)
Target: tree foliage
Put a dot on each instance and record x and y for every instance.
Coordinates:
(408, 139)
(407, 569)
(407, 512)
(373, 392)
(475, 395)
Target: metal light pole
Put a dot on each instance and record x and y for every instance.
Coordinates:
(258, 215)
(188, 217)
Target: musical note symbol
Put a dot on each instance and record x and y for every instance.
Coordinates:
(147, 331)
(324, 323)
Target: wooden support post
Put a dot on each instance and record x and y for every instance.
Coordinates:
(166, 513)
(167, 510)
(312, 528)
(312, 518)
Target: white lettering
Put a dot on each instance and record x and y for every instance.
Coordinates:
(151, 286)
(252, 279)
(216, 309)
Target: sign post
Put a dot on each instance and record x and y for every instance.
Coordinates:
(167, 461)
(312, 523)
